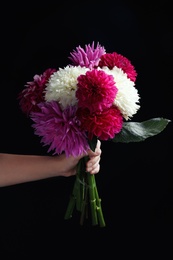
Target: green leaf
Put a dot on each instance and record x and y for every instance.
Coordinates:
(139, 131)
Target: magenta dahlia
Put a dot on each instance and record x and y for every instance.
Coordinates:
(96, 90)
(60, 130)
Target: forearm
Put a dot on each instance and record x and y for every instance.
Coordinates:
(16, 169)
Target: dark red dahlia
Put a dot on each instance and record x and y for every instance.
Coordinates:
(33, 93)
(114, 59)
(103, 124)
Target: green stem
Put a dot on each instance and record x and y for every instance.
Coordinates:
(84, 206)
(91, 185)
(85, 192)
(99, 209)
(72, 201)
(75, 197)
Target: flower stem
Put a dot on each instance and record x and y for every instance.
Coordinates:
(84, 193)
(91, 184)
(99, 209)
(84, 207)
(75, 198)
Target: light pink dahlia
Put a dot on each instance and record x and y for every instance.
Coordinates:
(88, 57)
(60, 130)
(105, 125)
(114, 59)
(33, 93)
(96, 90)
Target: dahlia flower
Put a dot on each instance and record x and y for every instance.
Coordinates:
(33, 93)
(96, 90)
(127, 97)
(105, 125)
(111, 60)
(60, 129)
(88, 57)
(62, 85)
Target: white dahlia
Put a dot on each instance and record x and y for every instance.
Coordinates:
(62, 85)
(127, 97)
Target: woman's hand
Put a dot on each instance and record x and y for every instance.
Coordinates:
(17, 168)
(92, 165)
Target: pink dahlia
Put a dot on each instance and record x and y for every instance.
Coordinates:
(104, 125)
(33, 93)
(60, 130)
(96, 90)
(88, 57)
(114, 59)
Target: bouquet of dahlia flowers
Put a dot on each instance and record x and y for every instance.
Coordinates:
(93, 97)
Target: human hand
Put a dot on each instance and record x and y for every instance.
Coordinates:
(93, 164)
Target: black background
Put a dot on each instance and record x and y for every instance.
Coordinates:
(135, 181)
